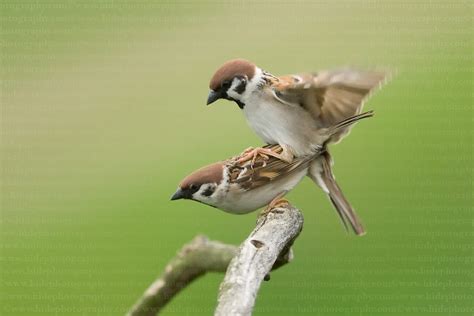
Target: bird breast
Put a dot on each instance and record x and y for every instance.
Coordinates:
(278, 123)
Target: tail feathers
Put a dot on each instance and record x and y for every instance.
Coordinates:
(349, 121)
(344, 209)
(338, 208)
(342, 206)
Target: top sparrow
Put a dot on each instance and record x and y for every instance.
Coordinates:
(293, 110)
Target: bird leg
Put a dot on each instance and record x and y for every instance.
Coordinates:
(253, 153)
(286, 154)
(275, 203)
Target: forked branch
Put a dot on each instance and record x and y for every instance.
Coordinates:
(267, 248)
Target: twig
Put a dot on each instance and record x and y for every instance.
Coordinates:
(193, 260)
(267, 246)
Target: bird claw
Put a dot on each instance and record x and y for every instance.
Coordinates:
(265, 153)
(252, 154)
(274, 204)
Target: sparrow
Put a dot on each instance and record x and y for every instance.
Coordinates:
(241, 186)
(292, 110)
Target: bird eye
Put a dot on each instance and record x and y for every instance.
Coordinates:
(193, 187)
(225, 83)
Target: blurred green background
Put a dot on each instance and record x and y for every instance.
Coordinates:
(103, 112)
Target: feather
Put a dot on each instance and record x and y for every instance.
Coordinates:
(329, 96)
(321, 173)
(263, 171)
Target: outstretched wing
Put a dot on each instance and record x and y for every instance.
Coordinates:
(329, 96)
(262, 171)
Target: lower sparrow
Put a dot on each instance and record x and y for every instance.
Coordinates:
(240, 186)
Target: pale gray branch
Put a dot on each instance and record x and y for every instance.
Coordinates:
(267, 246)
(201, 255)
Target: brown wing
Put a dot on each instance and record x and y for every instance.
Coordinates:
(329, 96)
(264, 171)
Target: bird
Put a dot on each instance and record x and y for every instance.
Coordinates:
(242, 186)
(294, 110)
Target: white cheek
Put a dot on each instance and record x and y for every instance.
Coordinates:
(251, 87)
(199, 194)
(231, 92)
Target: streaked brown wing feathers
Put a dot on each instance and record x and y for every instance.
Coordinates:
(265, 171)
(329, 96)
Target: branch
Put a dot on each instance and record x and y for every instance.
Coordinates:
(193, 260)
(267, 246)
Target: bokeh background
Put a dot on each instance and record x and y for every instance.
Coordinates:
(103, 112)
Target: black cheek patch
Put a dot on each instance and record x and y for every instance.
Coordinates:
(208, 191)
(241, 87)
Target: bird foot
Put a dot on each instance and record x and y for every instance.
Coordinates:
(275, 203)
(253, 153)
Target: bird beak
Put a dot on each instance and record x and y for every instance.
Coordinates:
(179, 194)
(213, 96)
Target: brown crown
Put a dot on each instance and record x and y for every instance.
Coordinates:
(231, 69)
(208, 174)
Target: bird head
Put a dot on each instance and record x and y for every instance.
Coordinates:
(201, 185)
(235, 80)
